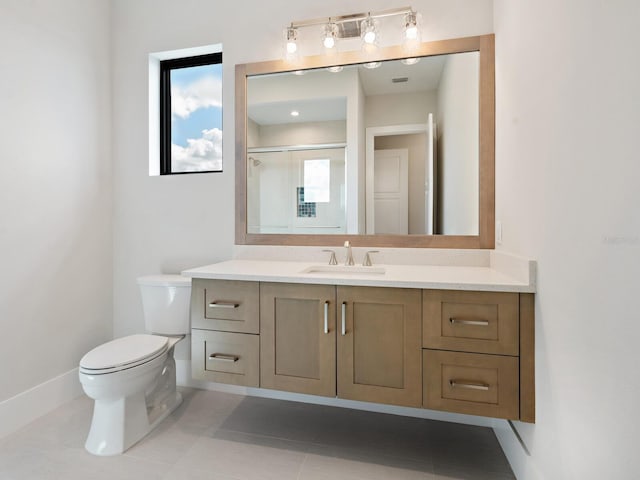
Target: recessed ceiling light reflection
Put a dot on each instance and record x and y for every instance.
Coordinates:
(335, 68)
(295, 113)
(371, 65)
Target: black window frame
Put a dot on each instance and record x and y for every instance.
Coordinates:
(166, 66)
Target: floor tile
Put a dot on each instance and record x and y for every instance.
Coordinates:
(243, 460)
(220, 436)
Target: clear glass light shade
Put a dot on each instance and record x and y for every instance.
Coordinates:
(411, 31)
(291, 44)
(369, 31)
(330, 36)
(410, 61)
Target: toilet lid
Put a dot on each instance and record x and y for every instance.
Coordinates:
(124, 351)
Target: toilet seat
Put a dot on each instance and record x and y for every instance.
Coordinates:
(123, 353)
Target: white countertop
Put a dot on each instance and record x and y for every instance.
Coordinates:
(504, 275)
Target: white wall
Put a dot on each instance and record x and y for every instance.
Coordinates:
(399, 109)
(304, 133)
(457, 128)
(55, 188)
(567, 192)
(170, 223)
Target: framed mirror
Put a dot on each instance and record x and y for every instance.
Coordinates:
(390, 151)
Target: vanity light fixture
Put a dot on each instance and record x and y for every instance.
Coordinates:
(356, 25)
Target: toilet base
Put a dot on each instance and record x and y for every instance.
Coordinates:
(117, 425)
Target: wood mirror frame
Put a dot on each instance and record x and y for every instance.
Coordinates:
(483, 44)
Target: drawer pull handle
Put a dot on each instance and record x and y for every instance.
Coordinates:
(482, 323)
(469, 385)
(224, 358)
(326, 317)
(215, 304)
(344, 318)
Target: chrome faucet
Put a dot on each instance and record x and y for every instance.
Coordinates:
(349, 259)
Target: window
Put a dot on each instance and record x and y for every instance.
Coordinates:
(191, 114)
(317, 181)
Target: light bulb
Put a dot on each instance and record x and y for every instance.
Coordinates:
(370, 37)
(411, 32)
(292, 47)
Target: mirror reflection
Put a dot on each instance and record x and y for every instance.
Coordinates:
(385, 150)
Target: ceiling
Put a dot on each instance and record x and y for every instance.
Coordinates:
(422, 76)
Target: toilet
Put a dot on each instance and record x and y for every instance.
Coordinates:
(133, 379)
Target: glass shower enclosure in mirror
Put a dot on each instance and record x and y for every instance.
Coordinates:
(385, 150)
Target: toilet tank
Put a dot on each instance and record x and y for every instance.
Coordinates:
(165, 301)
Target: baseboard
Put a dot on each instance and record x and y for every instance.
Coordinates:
(516, 451)
(18, 411)
(183, 378)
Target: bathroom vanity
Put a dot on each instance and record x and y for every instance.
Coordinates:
(432, 330)
(457, 339)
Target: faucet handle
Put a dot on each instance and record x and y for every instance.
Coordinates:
(367, 258)
(332, 258)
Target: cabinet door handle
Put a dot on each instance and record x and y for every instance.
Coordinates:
(224, 358)
(217, 304)
(344, 318)
(469, 385)
(326, 317)
(461, 321)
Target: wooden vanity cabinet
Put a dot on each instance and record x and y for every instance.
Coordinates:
(359, 343)
(457, 351)
(478, 356)
(225, 323)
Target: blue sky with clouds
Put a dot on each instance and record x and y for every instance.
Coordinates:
(196, 121)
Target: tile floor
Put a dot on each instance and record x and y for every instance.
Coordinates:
(219, 436)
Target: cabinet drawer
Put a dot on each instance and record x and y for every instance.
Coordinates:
(471, 383)
(225, 357)
(482, 322)
(225, 305)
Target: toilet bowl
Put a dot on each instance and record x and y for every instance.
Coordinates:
(133, 379)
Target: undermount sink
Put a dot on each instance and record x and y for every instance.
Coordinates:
(344, 270)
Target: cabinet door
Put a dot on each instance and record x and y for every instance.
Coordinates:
(298, 338)
(379, 345)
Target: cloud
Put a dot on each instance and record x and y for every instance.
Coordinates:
(200, 154)
(203, 93)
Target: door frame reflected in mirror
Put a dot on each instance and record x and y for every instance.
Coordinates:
(485, 239)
